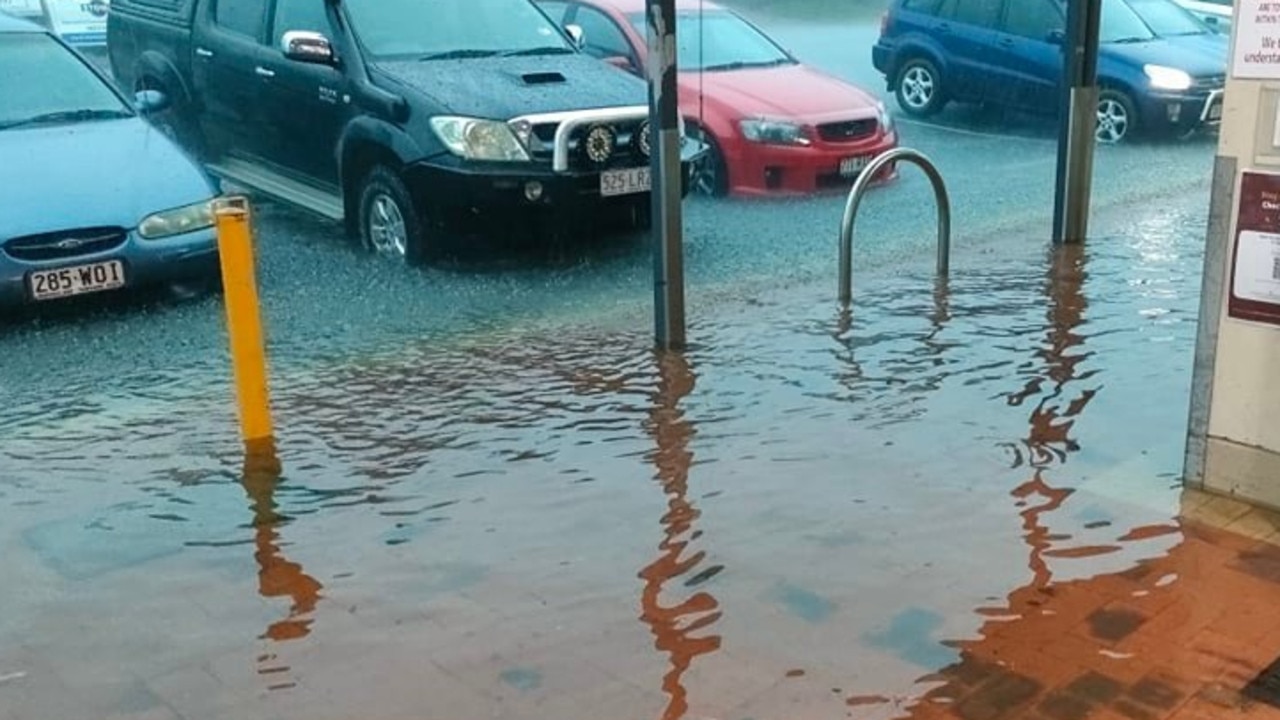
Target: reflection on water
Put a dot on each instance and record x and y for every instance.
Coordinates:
(858, 487)
(278, 577)
(679, 629)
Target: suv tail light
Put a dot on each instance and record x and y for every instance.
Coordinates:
(884, 22)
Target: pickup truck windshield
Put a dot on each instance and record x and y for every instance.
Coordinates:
(401, 29)
(43, 82)
(719, 40)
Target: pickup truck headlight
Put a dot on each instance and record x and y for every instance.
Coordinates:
(177, 221)
(773, 133)
(1167, 78)
(476, 139)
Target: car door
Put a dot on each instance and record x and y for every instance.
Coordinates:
(305, 105)
(1027, 56)
(228, 52)
(966, 30)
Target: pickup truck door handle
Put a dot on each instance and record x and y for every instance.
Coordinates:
(204, 53)
(264, 72)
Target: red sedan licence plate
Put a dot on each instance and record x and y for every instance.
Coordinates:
(853, 166)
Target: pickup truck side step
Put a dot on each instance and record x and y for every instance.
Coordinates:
(267, 182)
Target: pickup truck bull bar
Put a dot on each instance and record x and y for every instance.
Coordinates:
(569, 121)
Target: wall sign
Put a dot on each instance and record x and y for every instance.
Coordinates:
(1255, 267)
(80, 22)
(23, 8)
(1256, 54)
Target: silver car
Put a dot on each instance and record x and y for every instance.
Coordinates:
(92, 197)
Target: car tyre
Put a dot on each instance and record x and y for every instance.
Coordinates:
(1117, 118)
(920, 90)
(709, 176)
(391, 225)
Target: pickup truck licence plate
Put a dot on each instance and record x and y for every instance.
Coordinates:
(78, 280)
(853, 166)
(624, 182)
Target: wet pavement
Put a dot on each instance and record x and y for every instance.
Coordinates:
(961, 500)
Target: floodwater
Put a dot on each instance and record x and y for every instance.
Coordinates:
(805, 515)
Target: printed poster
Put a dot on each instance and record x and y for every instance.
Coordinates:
(1255, 267)
(1256, 54)
(80, 22)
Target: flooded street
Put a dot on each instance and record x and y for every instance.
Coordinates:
(544, 519)
(498, 501)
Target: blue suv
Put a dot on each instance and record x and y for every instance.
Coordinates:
(1160, 68)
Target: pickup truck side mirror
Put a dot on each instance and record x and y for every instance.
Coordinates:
(577, 35)
(307, 47)
(150, 102)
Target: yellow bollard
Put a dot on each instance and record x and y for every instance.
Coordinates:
(244, 326)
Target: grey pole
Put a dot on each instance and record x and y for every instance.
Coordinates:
(668, 228)
(1076, 131)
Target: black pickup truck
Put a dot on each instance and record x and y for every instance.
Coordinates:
(405, 119)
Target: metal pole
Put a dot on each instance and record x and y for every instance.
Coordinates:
(859, 189)
(244, 325)
(667, 193)
(1076, 134)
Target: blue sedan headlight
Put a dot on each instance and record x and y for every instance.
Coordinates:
(177, 221)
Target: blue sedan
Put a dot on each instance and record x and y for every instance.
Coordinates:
(92, 197)
(1160, 68)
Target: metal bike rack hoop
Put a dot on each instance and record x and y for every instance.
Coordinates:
(855, 199)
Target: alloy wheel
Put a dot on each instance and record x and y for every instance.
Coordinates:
(1113, 121)
(917, 87)
(387, 231)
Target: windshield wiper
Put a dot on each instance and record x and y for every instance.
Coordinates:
(67, 116)
(459, 54)
(538, 51)
(1130, 40)
(740, 64)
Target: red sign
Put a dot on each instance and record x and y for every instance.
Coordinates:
(1255, 267)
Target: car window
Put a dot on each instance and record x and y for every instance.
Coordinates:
(306, 15)
(719, 39)
(1168, 19)
(245, 17)
(603, 38)
(555, 10)
(928, 7)
(41, 77)
(1033, 19)
(405, 29)
(982, 13)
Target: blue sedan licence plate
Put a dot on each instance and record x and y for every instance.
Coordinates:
(78, 280)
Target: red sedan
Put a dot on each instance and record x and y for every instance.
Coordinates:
(774, 125)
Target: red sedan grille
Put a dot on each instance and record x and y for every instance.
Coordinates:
(848, 131)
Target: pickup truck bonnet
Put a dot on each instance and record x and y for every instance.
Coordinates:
(501, 88)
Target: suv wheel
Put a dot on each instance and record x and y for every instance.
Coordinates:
(1117, 119)
(390, 224)
(920, 91)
